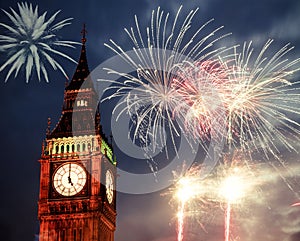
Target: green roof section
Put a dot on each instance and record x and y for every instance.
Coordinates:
(107, 151)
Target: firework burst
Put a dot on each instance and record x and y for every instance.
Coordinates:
(251, 100)
(261, 100)
(31, 42)
(149, 93)
(202, 110)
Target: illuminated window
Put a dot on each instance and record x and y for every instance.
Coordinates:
(81, 103)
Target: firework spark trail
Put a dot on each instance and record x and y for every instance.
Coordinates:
(195, 197)
(227, 221)
(234, 185)
(155, 61)
(180, 218)
(31, 41)
(184, 194)
(295, 204)
(187, 189)
(235, 182)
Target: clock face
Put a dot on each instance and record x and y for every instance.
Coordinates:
(109, 183)
(69, 179)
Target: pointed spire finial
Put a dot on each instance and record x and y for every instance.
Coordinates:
(83, 33)
(48, 126)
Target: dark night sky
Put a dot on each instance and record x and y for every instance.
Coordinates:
(26, 107)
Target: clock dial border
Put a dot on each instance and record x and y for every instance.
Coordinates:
(64, 180)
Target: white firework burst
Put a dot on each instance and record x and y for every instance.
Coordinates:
(30, 42)
(262, 101)
(257, 94)
(149, 91)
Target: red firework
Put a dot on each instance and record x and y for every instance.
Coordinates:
(201, 109)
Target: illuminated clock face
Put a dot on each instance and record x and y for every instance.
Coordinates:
(109, 183)
(69, 179)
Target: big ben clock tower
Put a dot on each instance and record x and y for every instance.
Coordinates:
(77, 175)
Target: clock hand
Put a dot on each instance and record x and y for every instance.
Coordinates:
(69, 177)
(70, 181)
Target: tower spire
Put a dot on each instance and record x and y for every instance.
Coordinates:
(72, 90)
(82, 69)
(83, 33)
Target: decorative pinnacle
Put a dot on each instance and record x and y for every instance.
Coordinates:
(43, 148)
(48, 126)
(83, 33)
